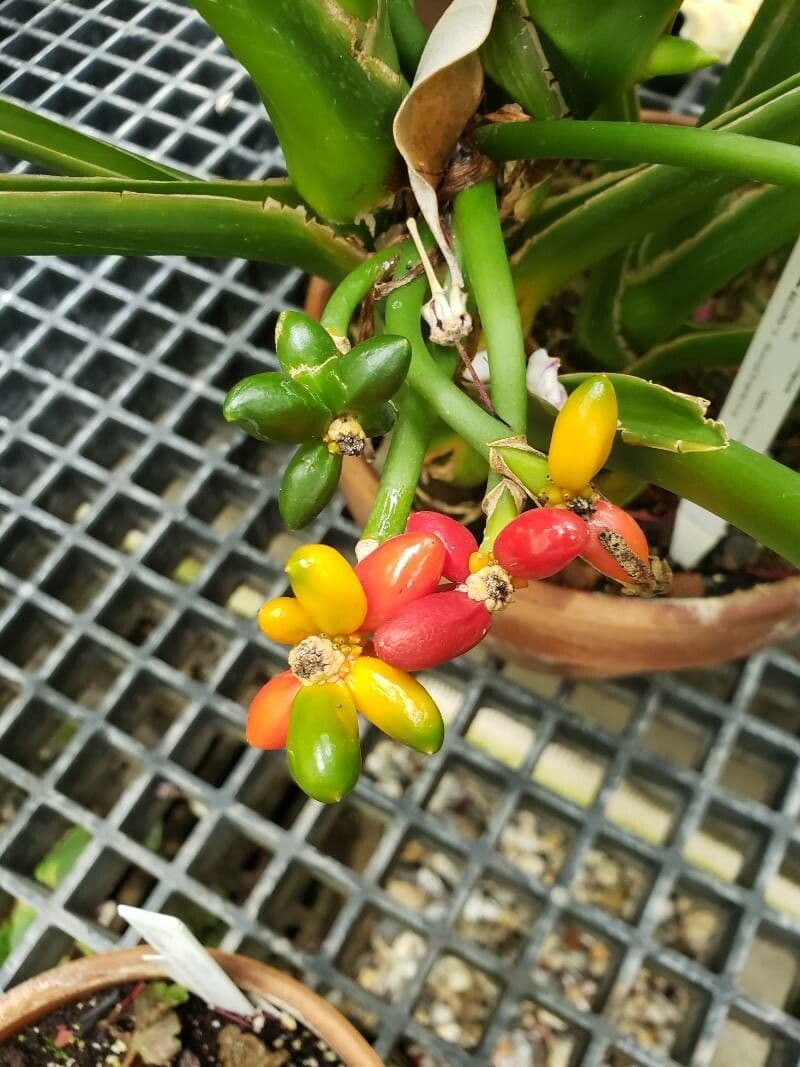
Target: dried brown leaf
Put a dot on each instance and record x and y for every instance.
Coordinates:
(446, 91)
(245, 1050)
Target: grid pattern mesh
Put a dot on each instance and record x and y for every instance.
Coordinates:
(593, 874)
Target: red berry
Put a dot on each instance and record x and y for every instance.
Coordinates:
(402, 569)
(539, 543)
(432, 630)
(628, 559)
(459, 544)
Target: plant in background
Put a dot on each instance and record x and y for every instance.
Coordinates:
(437, 181)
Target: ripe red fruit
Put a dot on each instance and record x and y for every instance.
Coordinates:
(432, 630)
(459, 544)
(539, 543)
(617, 546)
(402, 569)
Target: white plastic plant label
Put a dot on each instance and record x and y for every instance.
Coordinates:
(186, 961)
(760, 398)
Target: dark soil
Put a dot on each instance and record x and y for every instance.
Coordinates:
(97, 1032)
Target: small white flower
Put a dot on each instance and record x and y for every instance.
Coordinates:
(718, 26)
(541, 379)
(447, 316)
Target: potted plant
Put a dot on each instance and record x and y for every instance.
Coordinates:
(121, 1004)
(477, 194)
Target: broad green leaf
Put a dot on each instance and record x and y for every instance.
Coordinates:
(768, 54)
(642, 201)
(653, 416)
(660, 296)
(513, 57)
(13, 928)
(24, 134)
(93, 223)
(330, 101)
(704, 347)
(605, 44)
(677, 55)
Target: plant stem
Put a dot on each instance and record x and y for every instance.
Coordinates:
(481, 243)
(747, 158)
(401, 471)
(426, 377)
(349, 293)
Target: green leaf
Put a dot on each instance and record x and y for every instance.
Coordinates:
(13, 928)
(596, 323)
(60, 860)
(766, 56)
(513, 57)
(409, 34)
(606, 44)
(279, 190)
(330, 101)
(705, 347)
(640, 202)
(677, 55)
(653, 416)
(170, 994)
(77, 223)
(26, 135)
(661, 295)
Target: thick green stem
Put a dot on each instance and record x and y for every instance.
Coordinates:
(481, 243)
(402, 469)
(349, 293)
(746, 158)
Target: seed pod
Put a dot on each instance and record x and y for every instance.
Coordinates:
(283, 620)
(378, 420)
(617, 546)
(402, 569)
(540, 543)
(271, 407)
(303, 348)
(327, 588)
(397, 704)
(432, 630)
(583, 434)
(270, 710)
(459, 544)
(322, 747)
(308, 484)
(373, 372)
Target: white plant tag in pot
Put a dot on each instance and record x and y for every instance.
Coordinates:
(760, 398)
(186, 961)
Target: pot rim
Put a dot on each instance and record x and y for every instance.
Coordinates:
(32, 1000)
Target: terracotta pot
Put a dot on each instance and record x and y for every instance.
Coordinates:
(31, 1001)
(582, 634)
